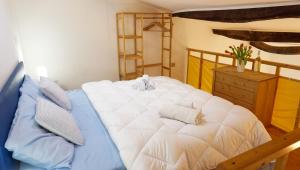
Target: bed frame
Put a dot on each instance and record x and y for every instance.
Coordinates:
(9, 97)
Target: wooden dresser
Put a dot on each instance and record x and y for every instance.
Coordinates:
(252, 90)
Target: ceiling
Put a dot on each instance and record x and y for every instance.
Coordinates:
(188, 5)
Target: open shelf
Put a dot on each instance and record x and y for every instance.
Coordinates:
(152, 17)
(161, 22)
(131, 57)
(130, 37)
(130, 76)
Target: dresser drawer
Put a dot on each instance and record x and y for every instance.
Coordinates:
(235, 101)
(244, 104)
(224, 96)
(237, 82)
(234, 92)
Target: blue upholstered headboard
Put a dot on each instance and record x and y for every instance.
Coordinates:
(9, 97)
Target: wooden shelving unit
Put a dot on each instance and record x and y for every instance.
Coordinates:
(162, 22)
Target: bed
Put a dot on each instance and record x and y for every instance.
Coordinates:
(124, 125)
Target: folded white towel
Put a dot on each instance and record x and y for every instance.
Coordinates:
(181, 113)
(185, 103)
(190, 103)
(143, 83)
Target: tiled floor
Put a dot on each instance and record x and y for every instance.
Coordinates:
(294, 157)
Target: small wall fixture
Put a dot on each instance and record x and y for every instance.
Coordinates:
(42, 71)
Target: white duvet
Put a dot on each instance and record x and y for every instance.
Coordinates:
(146, 141)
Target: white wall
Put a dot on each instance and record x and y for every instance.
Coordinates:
(8, 57)
(198, 34)
(74, 39)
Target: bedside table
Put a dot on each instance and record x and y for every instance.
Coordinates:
(252, 90)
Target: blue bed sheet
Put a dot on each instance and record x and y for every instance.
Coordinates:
(99, 151)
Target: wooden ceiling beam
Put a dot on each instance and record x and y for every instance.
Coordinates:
(260, 35)
(291, 50)
(244, 15)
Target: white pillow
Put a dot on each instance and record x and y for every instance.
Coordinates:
(55, 93)
(58, 121)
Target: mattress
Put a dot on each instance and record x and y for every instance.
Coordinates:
(146, 141)
(99, 151)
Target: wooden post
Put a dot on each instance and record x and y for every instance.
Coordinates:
(278, 71)
(135, 43)
(162, 46)
(118, 43)
(234, 62)
(200, 69)
(281, 162)
(258, 62)
(142, 43)
(124, 46)
(170, 44)
(296, 126)
(217, 61)
(187, 67)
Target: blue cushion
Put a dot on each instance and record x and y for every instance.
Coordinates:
(58, 121)
(54, 92)
(32, 144)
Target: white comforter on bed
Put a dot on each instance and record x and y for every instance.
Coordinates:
(146, 141)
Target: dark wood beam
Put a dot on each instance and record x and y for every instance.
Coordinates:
(291, 50)
(259, 35)
(244, 15)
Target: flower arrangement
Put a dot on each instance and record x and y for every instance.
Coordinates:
(242, 53)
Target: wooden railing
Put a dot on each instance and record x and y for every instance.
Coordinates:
(277, 149)
(278, 66)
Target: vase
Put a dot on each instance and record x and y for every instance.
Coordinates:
(241, 67)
